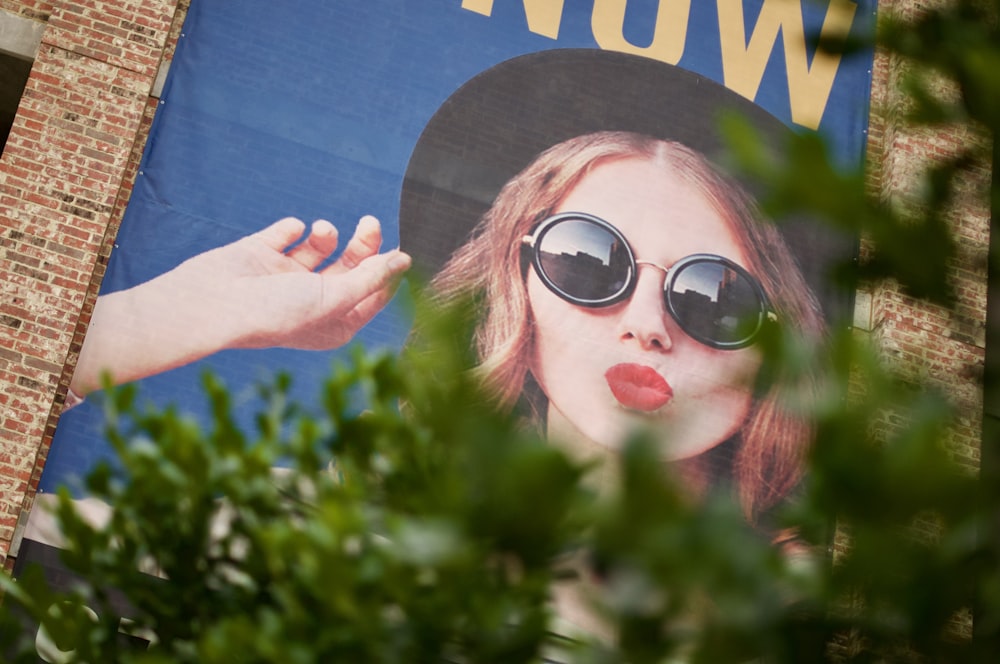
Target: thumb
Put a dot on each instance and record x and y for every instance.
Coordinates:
(375, 273)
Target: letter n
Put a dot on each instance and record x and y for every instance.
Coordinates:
(543, 16)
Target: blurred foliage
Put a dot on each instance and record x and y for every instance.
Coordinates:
(426, 527)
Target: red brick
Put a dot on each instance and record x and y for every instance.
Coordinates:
(65, 163)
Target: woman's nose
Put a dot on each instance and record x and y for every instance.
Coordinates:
(644, 318)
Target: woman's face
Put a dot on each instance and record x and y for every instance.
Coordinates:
(608, 371)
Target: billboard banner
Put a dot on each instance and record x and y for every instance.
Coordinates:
(580, 133)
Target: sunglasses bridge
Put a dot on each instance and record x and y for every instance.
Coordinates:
(664, 270)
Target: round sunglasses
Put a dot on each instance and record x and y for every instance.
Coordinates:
(588, 262)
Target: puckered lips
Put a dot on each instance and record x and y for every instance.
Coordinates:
(638, 387)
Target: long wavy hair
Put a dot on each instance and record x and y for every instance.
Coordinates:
(767, 459)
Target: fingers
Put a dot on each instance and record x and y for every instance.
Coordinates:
(322, 242)
(365, 243)
(316, 248)
(281, 233)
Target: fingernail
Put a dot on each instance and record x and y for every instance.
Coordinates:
(399, 260)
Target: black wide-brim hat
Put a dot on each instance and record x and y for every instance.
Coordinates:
(493, 126)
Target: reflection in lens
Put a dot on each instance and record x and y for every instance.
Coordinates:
(715, 302)
(584, 260)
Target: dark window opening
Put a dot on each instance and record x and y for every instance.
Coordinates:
(13, 77)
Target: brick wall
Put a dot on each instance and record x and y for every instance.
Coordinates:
(945, 347)
(63, 171)
(34, 9)
(924, 342)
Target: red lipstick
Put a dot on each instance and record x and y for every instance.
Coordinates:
(638, 387)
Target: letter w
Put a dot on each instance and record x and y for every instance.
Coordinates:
(743, 62)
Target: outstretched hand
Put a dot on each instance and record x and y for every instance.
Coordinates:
(280, 298)
(265, 290)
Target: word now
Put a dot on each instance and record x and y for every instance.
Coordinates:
(743, 59)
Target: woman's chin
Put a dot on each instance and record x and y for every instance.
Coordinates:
(602, 431)
(674, 442)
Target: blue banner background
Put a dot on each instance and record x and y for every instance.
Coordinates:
(310, 108)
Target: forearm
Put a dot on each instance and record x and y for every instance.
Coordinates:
(145, 330)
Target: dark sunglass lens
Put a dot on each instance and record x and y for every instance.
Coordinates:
(584, 260)
(716, 303)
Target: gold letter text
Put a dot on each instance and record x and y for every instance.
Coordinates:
(743, 61)
(608, 23)
(543, 15)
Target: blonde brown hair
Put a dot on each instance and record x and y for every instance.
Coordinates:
(766, 463)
